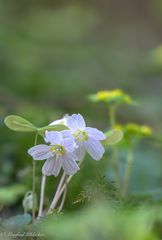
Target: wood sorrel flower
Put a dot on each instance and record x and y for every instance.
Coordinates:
(60, 153)
(60, 121)
(86, 138)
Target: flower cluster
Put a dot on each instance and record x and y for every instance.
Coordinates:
(65, 148)
(133, 128)
(113, 96)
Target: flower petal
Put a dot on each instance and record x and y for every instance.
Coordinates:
(67, 134)
(95, 133)
(69, 164)
(80, 151)
(69, 144)
(52, 166)
(60, 121)
(40, 152)
(53, 137)
(75, 122)
(94, 148)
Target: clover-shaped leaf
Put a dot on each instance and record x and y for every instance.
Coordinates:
(19, 124)
(113, 137)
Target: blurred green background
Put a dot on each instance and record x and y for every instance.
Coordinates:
(54, 53)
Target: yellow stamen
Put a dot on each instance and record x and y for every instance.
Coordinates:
(81, 136)
(58, 150)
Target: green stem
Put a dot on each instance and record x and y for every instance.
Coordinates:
(127, 171)
(112, 116)
(33, 184)
(116, 166)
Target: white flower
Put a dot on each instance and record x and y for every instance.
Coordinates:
(86, 138)
(60, 153)
(60, 121)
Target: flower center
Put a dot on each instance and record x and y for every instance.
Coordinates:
(81, 136)
(59, 150)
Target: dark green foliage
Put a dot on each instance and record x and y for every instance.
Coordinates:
(98, 190)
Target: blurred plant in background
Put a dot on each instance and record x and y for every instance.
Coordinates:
(54, 54)
(115, 194)
(132, 132)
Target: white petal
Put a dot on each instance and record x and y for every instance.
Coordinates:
(69, 164)
(75, 122)
(80, 151)
(56, 122)
(95, 133)
(40, 152)
(60, 121)
(69, 144)
(66, 134)
(94, 148)
(53, 137)
(51, 167)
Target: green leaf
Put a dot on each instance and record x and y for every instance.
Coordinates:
(28, 201)
(19, 124)
(10, 194)
(17, 221)
(113, 137)
(58, 127)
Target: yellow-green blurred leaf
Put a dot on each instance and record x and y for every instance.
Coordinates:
(11, 194)
(19, 124)
(113, 137)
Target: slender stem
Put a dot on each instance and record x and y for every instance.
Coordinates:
(61, 190)
(33, 184)
(64, 196)
(60, 184)
(116, 166)
(112, 113)
(112, 116)
(54, 201)
(127, 171)
(33, 190)
(43, 184)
